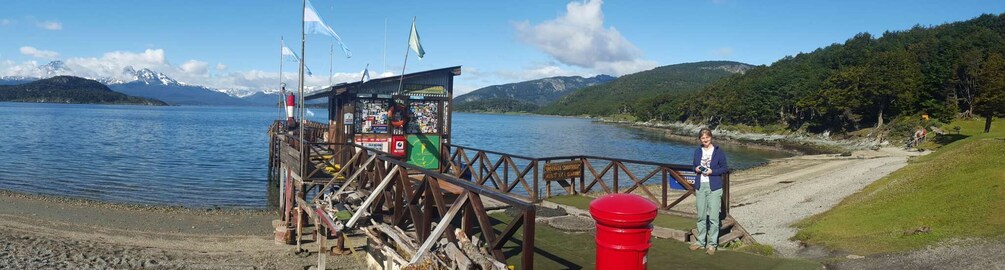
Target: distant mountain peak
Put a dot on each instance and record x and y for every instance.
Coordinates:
(55, 68)
(148, 76)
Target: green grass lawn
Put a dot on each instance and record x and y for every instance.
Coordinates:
(555, 249)
(958, 191)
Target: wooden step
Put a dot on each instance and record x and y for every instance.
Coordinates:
(723, 239)
(726, 224)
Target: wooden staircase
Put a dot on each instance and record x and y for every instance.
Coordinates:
(729, 230)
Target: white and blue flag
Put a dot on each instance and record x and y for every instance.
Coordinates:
(289, 55)
(314, 25)
(366, 73)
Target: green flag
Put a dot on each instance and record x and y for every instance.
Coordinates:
(413, 41)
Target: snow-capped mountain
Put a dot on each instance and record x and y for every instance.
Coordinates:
(148, 83)
(55, 68)
(148, 76)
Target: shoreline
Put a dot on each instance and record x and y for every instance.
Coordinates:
(796, 143)
(38, 231)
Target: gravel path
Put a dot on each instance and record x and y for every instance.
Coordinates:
(768, 200)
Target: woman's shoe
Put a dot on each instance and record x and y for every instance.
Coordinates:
(695, 247)
(710, 251)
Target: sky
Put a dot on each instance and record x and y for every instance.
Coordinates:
(231, 44)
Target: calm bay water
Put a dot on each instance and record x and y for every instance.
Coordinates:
(216, 156)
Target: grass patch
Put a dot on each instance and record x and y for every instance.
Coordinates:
(956, 191)
(757, 248)
(555, 249)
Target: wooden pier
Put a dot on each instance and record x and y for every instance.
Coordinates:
(422, 201)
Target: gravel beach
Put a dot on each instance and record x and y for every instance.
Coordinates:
(38, 232)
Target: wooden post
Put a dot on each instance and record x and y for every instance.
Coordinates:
(725, 194)
(666, 186)
(528, 237)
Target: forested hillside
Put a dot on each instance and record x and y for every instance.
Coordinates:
(524, 96)
(69, 89)
(943, 71)
(624, 94)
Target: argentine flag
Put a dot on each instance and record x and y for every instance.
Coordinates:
(314, 25)
(413, 41)
(289, 55)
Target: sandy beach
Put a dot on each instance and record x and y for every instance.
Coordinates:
(40, 232)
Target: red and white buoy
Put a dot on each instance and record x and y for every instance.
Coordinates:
(290, 102)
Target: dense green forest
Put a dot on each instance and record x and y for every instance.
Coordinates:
(945, 71)
(496, 105)
(624, 94)
(69, 89)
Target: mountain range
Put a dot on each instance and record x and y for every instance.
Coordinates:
(524, 96)
(69, 89)
(149, 84)
(628, 90)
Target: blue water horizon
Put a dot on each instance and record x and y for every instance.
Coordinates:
(216, 156)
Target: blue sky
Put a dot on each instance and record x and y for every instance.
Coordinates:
(235, 44)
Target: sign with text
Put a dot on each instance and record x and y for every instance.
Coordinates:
(563, 170)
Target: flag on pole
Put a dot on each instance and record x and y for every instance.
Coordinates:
(314, 25)
(366, 73)
(289, 55)
(413, 41)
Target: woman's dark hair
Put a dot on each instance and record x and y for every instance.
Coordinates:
(705, 131)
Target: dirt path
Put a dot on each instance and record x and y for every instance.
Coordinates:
(45, 232)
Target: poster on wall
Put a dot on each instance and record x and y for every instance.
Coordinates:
(375, 143)
(372, 116)
(423, 151)
(424, 117)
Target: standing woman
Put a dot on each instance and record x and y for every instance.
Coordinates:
(710, 164)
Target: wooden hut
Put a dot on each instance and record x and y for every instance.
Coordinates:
(406, 116)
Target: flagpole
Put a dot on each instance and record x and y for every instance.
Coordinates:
(282, 90)
(384, 68)
(331, 61)
(401, 81)
(300, 84)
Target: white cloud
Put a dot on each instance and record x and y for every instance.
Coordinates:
(110, 65)
(195, 67)
(31, 51)
(723, 52)
(579, 38)
(51, 25)
(534, 73)
(5, 22)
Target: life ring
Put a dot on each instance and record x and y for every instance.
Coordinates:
(397, 118)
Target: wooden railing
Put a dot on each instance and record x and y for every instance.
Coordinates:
(429, 204)
(522, 176)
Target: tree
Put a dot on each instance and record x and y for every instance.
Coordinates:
(990, 100)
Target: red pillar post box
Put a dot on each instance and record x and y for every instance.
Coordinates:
(624, 225)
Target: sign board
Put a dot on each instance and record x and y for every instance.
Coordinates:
(424, 151)
(563, 170)
(375, 143)
(424, 89)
